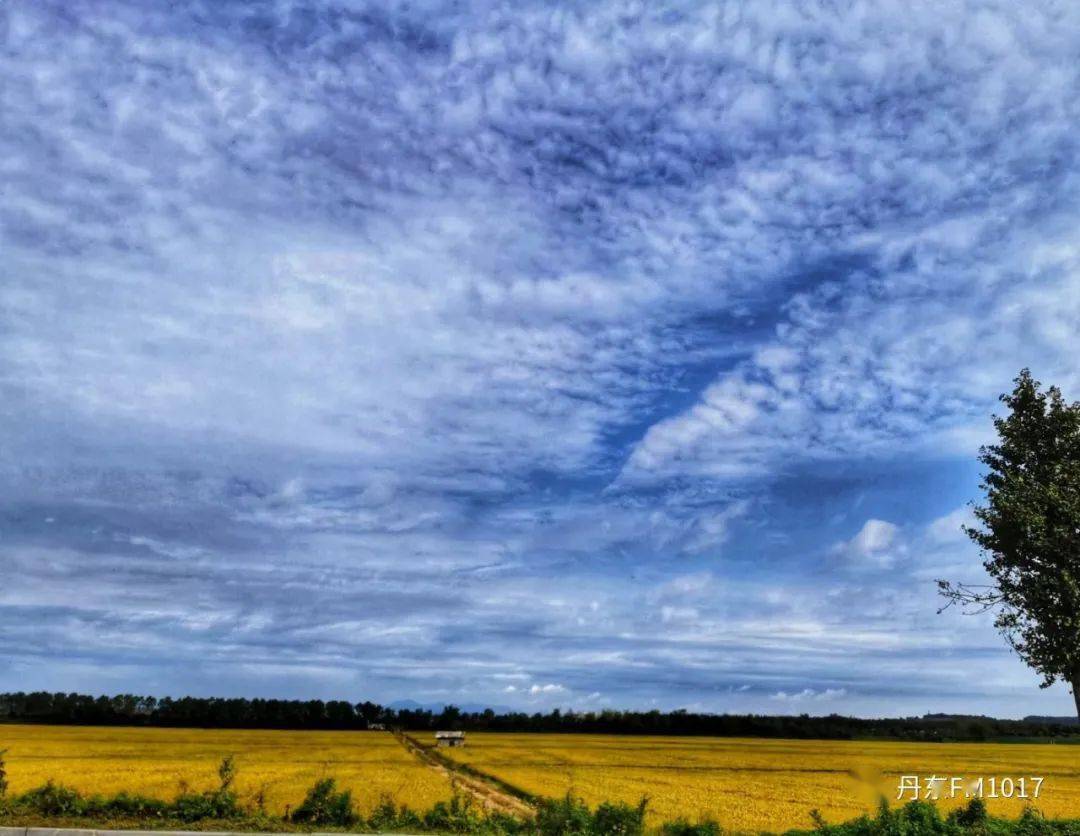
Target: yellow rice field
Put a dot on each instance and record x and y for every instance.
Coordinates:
(753, 784)
(158, 762)
(745, 784)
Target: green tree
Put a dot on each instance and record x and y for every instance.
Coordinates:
(450, 719)
(1029, 532)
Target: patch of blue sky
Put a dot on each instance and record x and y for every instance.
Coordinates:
(660, 339)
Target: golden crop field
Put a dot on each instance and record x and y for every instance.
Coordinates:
(158, 762)
(745, 784)
(754, 784)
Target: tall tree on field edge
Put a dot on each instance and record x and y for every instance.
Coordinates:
(1029, 532)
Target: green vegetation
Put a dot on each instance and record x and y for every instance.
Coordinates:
(682, 827)
(56, 800)
(324, 804)
(920, 818)
(569, 816)
(1029, 532)
(325, 808)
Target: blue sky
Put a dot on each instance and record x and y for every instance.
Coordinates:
(600, 354)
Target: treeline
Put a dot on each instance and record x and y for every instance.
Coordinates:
(212, 712)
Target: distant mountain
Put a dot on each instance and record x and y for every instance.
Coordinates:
(1060, 721)
(437, 707)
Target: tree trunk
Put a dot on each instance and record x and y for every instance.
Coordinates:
(1076, 693)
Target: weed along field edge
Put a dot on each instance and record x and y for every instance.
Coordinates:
(744, 785)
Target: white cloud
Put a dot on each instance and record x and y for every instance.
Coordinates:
(877, 545)
(671, 614)
(950, 527)
(549, 688)
(809, 695)
(874, 538)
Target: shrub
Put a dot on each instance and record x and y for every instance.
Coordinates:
(1033, 823)
(619, 819)
(570, 816)
(682, 827)
(388, 816)
(324, 805)
(971, 817)
(385, 814)
(221, 803)
(133, 805)
(505, 824)
(567, 816)
(53, 800)
(456, 815)
(3, 774)
(206, 805)
(921, 817)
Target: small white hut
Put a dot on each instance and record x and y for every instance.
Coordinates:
(449, 738)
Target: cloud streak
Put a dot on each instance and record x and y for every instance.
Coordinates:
(402, 350)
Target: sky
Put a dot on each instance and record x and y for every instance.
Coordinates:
(591, 355)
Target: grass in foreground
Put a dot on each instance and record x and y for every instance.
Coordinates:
(327, 808)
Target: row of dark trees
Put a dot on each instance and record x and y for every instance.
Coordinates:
(201, 712)
(213, 712)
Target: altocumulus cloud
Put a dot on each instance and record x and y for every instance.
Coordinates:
(408, 350)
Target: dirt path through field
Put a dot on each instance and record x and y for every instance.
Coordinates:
(484, 789)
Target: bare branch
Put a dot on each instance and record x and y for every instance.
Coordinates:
(972, 598)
